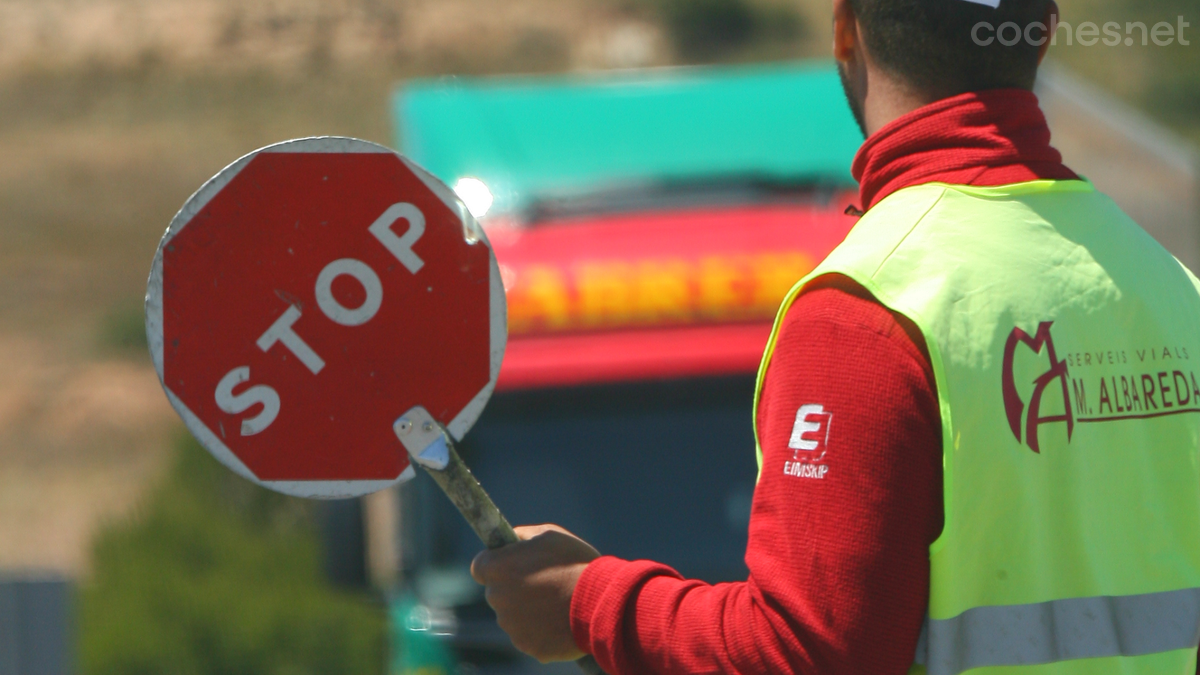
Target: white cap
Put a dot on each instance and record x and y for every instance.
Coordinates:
(994, 4)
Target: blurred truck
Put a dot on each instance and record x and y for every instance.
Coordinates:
(647, 225)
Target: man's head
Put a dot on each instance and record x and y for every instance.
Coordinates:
(930, 49)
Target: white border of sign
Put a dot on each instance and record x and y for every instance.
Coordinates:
(458, 427)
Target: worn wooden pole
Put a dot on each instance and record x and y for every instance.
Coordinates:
(469, 497)
(432, 448)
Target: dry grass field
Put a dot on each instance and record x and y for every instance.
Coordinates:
(113, 111)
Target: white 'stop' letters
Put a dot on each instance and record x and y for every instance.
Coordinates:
(236, 405)
(365, 276)
(401, 246)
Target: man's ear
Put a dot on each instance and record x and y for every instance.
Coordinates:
(1051, 20)
(845, 32)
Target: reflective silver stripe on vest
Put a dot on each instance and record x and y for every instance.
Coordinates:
(1061, 630)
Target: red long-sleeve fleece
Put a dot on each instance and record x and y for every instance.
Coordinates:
(838, 558)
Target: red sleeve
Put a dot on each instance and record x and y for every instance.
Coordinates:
(838, 556)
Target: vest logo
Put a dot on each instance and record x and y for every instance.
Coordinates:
(1101, 384)
(1025, 424)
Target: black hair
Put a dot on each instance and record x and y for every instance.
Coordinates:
(935, 47)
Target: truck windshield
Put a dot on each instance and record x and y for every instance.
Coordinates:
(649, 196)
(651, 470)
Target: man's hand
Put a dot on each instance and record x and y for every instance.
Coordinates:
(530, 583)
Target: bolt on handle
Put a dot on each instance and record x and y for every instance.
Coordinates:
(469, 497)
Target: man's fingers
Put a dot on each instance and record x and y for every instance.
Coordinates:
(529, 584)
(540, 545)
(527, 532)
(479, 567)
(492, 565)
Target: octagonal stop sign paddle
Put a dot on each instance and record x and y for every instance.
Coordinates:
(323, 310)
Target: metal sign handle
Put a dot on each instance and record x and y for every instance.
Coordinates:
(432, 448)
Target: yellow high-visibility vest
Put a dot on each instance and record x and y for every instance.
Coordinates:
(1065, 343)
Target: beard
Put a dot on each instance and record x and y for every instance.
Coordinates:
(853, 99)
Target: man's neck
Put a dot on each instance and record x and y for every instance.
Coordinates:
(887, 100)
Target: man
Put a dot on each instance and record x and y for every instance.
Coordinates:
(999, 372)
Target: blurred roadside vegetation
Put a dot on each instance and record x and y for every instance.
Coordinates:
(1164, 82)
(1174, 89)
(208, 574)
(714, 30)
(216, 575)
(211, 575)
(122, 332)
(128, 144)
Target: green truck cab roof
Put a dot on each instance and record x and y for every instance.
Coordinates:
(529, 138)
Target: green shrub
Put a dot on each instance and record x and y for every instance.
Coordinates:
(216, 576)
(1169, 77)
(124, 330)
(704, 30)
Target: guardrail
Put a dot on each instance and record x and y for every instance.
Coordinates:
(36, 624)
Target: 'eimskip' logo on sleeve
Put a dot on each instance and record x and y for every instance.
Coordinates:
(810, 435)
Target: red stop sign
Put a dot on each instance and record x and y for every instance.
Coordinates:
(308, 296)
